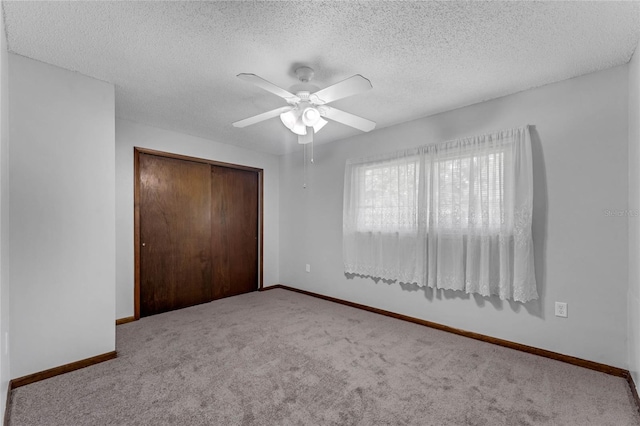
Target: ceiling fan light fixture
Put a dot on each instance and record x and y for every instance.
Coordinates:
(289, 119)
(299, 128)
(319, 125)
(310, 116)
(294, 121)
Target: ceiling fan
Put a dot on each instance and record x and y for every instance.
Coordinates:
(305, 115)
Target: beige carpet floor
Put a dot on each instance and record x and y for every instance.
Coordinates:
(282, 358)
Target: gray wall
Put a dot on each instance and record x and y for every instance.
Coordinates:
(4, 216)
(61, 216)
(634, 221)
(130, 134)
(580, 170)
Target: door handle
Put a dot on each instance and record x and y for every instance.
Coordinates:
(144, 244)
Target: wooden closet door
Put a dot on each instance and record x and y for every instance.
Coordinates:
(175, 234)
(234, 231)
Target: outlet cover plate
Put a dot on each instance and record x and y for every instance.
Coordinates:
(561, 309)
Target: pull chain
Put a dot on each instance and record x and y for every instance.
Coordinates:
(304, 162)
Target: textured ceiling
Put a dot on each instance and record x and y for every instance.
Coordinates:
(174, 63)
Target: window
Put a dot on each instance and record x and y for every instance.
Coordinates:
(455, 215)
(468, 192)
(387, 199)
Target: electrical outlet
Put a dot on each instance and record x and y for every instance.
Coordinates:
(561, 309)
(307, 268)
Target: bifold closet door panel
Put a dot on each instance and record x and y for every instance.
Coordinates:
(234, 231)
(175, 234)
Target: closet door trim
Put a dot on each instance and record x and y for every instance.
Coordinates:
(136, 212)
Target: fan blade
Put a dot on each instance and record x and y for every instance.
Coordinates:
(269, 87)
(348, 119)
(261, 117)
(351, 86)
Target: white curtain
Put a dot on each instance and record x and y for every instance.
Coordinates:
(455, 215)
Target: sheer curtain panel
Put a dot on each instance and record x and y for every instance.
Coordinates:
(455, 215)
